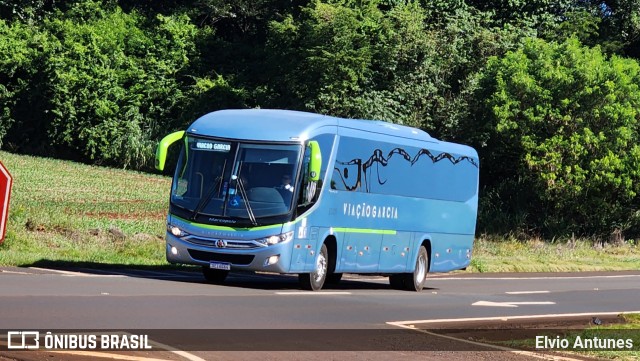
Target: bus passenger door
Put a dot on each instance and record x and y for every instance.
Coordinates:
(367, 251)
(298, 256)
(349, 251)
(395, 252)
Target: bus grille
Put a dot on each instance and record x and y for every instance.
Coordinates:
(237, 244)
(239, 259)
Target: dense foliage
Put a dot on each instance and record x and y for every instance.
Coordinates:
(562, 125)
(547, 91)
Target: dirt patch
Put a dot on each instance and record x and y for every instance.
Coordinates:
(32, 226)
(70, 234)
(116, 234)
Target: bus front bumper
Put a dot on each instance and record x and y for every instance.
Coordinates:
(275, 258)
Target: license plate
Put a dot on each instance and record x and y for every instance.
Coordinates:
(220, 265)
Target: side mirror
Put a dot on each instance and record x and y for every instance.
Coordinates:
(161, 151)
(315, 161)
(313, 164)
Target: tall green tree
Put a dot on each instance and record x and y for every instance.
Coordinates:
(114, 84)
(23, 53)
(397, 61)
(27, 11)
(558, 129)
(94, 83)
(621, 26)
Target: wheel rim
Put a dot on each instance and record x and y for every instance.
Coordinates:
(421, 269)
(321, 268)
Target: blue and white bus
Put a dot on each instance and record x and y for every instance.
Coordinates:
(318, 196)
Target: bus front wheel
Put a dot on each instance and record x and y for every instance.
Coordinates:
(315, 280)
(415, 281)
(215, 276)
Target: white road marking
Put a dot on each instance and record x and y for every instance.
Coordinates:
(510, 304)
(446, 278)
(93, 354)
(321, 293)
(188, 356)
(15, 272)
(75, 274)
(110, 274)
(508, 318)
(113, 356)
(525, 292)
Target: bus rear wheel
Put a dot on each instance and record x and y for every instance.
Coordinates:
(215, 276)
(315, 280)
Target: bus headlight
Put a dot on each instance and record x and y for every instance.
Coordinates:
(176, 231)
(280, 238)
(271, 260)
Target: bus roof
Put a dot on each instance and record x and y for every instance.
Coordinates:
(288, 125)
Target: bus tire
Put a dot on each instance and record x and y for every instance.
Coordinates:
(315, 280)
(415, 281)
(333, 278)
(214, 276)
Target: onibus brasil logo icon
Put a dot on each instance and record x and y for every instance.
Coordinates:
(33, 340)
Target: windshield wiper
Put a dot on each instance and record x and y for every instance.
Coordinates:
(207, 198)
(245, 198)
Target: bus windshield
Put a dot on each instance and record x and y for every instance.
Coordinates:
(224, 182)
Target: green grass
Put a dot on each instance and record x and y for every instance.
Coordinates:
(628, 330)
(68, 212)
(493, 254)
(65, 211)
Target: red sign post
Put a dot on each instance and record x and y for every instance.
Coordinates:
(5, 192)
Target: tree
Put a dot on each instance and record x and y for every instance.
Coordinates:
(396, 61)
(103, 85)
(560, 125)
(23, 49)
(621, 25)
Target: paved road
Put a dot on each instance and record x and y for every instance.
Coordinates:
(81, 299)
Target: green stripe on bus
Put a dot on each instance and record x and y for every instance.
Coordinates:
(226, 228)
(344, 230)
(365, 230)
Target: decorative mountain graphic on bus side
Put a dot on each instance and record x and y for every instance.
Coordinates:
(378, 159)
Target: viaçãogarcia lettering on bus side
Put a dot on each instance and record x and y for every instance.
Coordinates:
(364, 210)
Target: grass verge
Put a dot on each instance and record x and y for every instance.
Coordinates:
(62, 211)
(495, 254)
(65, 211)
